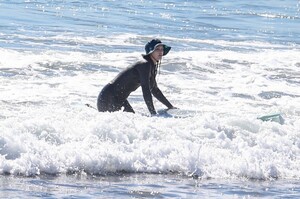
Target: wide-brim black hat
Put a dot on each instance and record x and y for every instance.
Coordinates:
(153, 44)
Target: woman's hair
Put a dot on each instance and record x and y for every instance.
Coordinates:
(147, 57)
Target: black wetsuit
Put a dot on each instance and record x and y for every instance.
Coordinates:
(114, 95)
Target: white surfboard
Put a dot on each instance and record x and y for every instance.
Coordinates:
(176, 113)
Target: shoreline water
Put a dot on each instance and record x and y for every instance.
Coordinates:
(143, 186)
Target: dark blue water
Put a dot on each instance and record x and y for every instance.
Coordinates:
(274, 22)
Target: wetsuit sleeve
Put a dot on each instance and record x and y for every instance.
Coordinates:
(144, 74)
(160, 96)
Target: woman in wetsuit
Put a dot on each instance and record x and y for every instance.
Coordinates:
(114, 95)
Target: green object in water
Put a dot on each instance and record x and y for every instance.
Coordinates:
(273, 118)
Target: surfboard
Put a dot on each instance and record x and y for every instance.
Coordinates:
(176, 113)
(90, 106)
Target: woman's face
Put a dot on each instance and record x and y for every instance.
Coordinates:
(157, 54)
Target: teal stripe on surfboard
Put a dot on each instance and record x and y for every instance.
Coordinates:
(272, 118)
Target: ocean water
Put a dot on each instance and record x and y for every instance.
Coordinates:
(231, 62)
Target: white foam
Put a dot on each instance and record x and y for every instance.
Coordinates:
(45, 127)
(76, 138)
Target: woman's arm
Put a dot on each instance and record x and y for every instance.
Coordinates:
(144, 74)
(160, 96)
